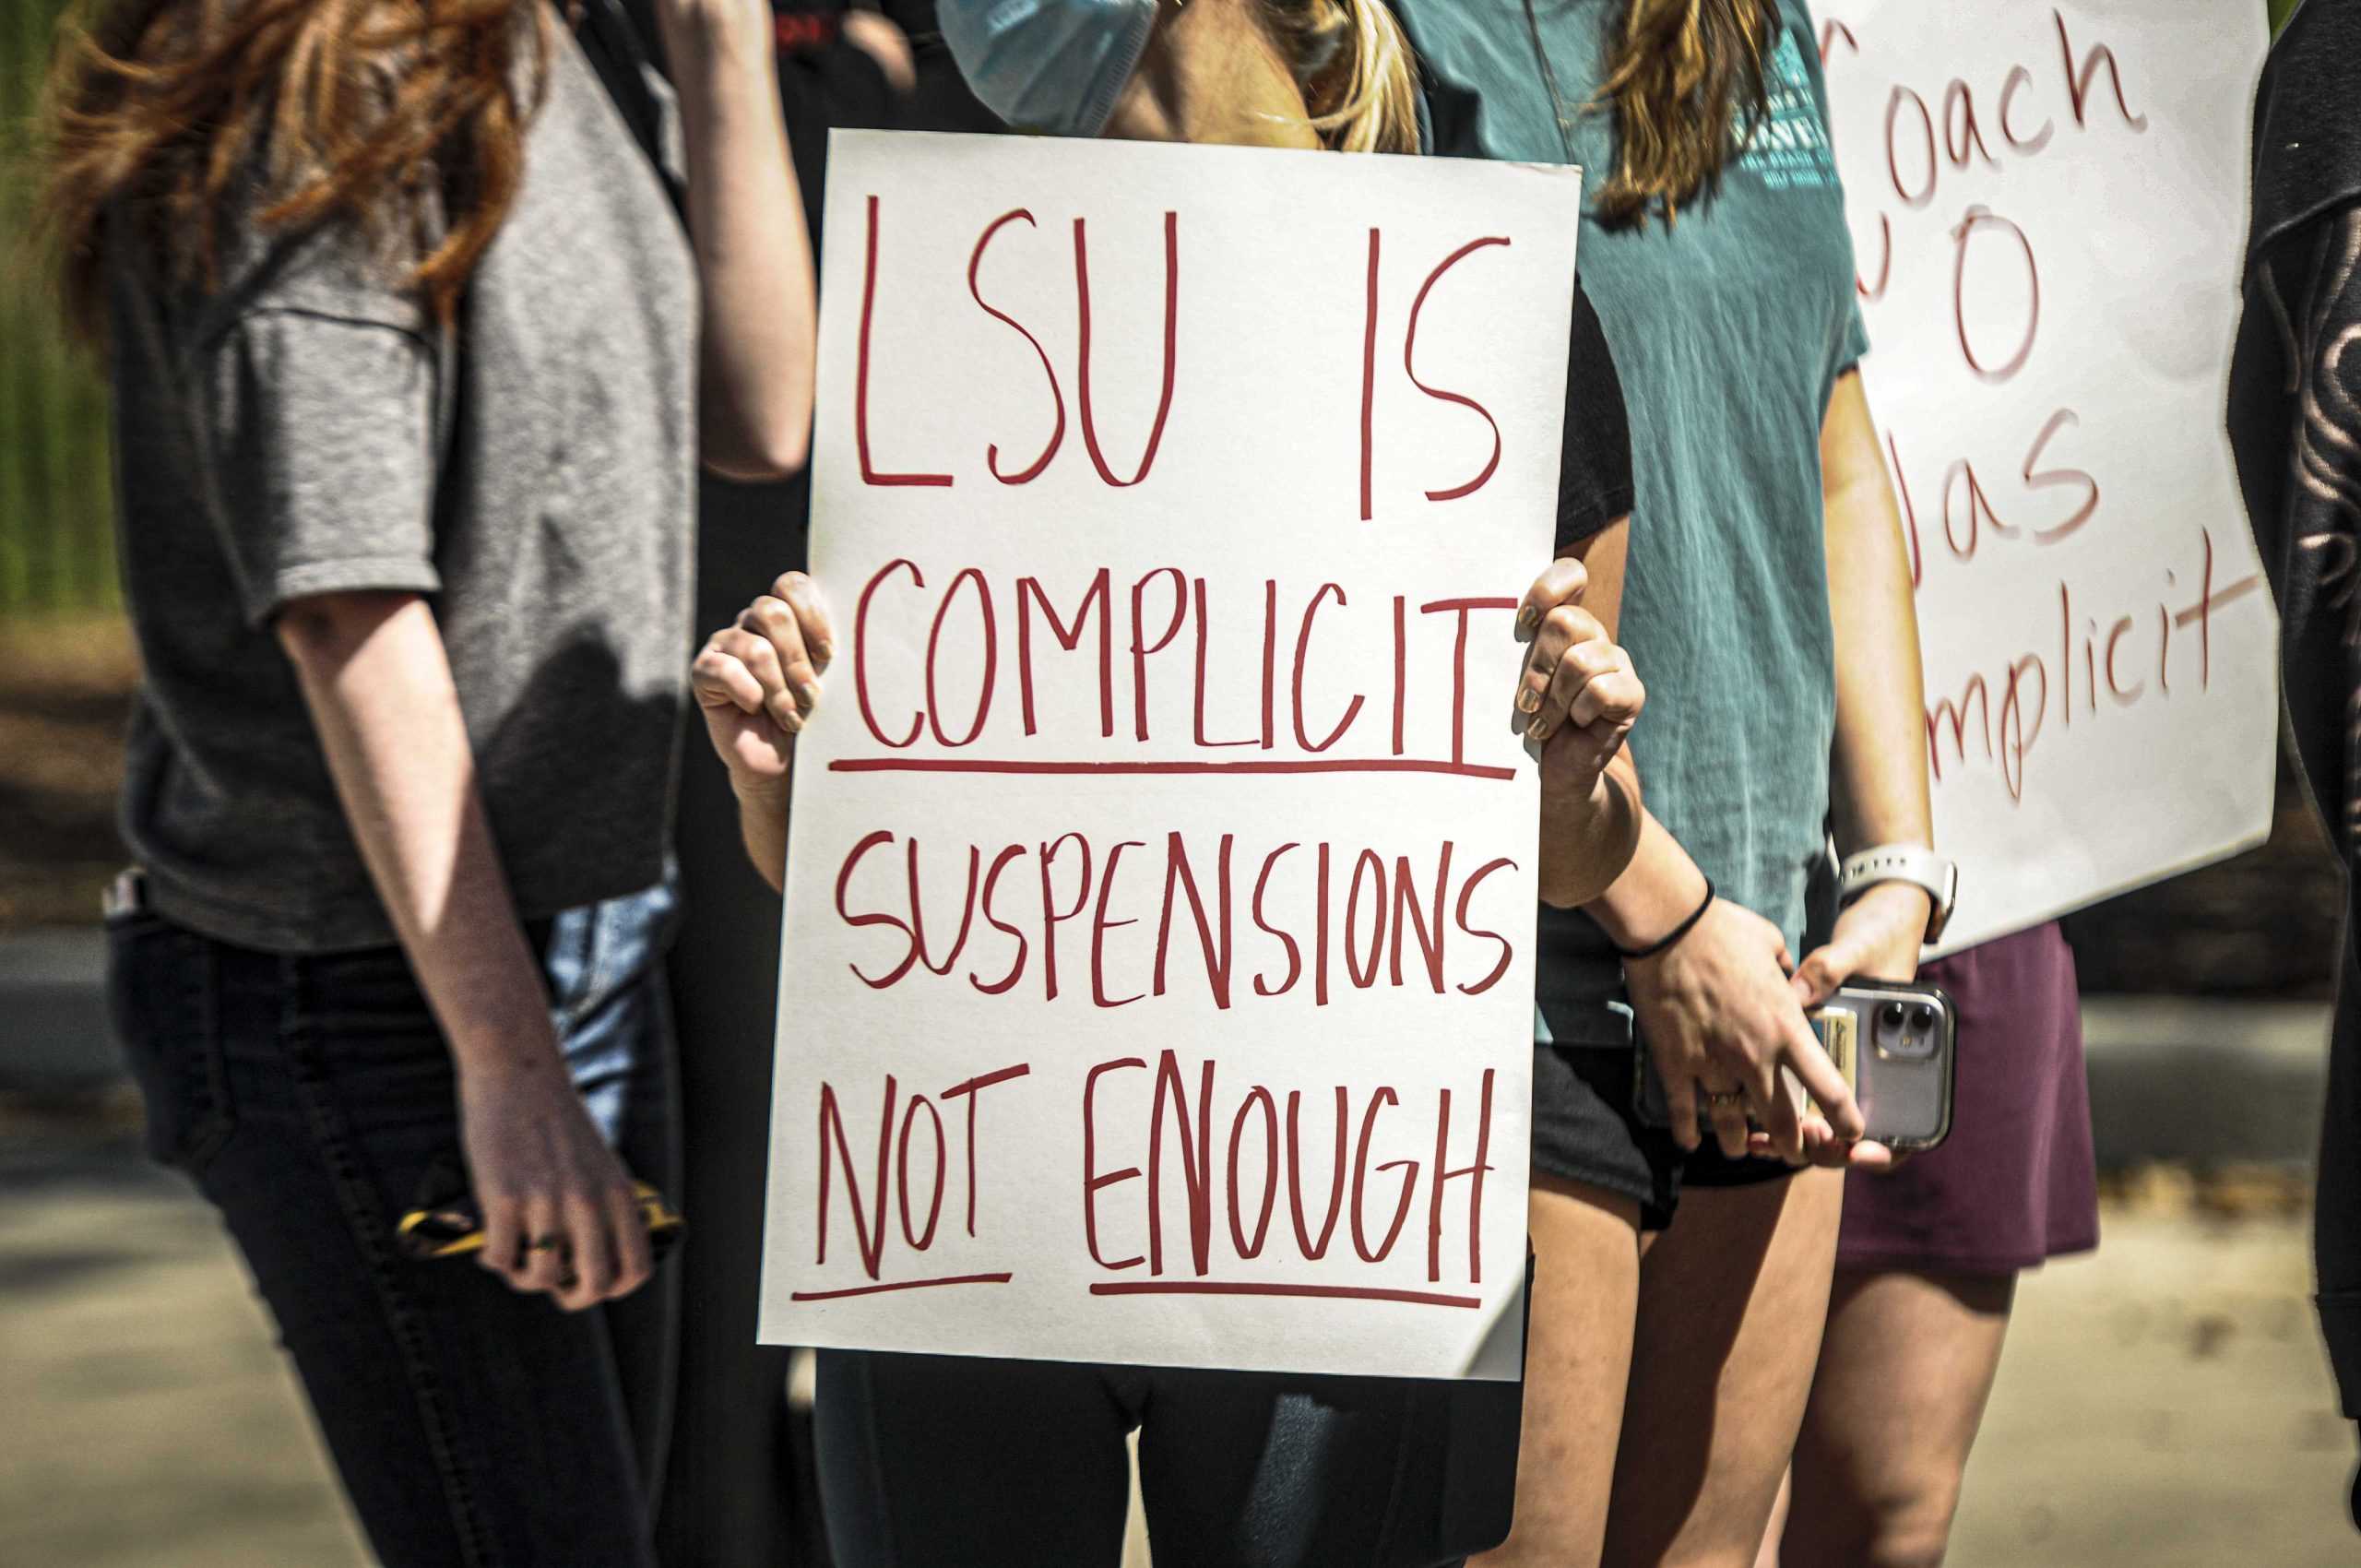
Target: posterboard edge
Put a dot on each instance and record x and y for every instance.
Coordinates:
(2250, 839)
(768, 1333)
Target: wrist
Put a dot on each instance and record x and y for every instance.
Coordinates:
(506, 1059)
(716, 33)
(1653, 896)
(1568, 792)
(767, 794)
(1672, 938)
(1910, 905)
(491, 998)
(1906, 863)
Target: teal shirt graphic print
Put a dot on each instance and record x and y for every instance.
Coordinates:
(1789, 147)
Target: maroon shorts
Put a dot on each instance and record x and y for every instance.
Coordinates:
(2015, 1182)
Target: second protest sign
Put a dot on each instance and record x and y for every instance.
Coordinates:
(2046, 205)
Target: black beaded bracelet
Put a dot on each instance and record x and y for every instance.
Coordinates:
(1672, 940)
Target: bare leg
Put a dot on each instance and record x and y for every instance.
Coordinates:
(1731, 1302)
(1903, 1377)
(1577, 1360)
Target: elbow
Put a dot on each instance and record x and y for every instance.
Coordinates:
(763, 452)
(1578, 879)
(321, 631)
(756, 429)
(1574, 890)
(308, 630)
(780, 447)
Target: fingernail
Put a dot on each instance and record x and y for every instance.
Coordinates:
(790, 722)
(826, 650)
(807, 695)
(1538, 730)
(1527, 699)
(1528, 616)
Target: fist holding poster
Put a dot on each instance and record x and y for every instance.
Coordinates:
(1156, 981)
(2047, 205)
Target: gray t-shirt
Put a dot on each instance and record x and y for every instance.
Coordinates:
(305, 426)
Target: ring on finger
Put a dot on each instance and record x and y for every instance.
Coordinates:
(1726, 1097)
(546, 1244)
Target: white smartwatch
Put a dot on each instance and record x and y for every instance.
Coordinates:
(1912, 863)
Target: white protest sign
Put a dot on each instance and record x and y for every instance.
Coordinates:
(1158, 974)
(2047, 203)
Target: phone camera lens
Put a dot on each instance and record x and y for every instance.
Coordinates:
(1893, 1015)
(1924, 1015)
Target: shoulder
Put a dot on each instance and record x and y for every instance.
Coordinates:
(2306, 139)
(1792, 46)
(339, 265)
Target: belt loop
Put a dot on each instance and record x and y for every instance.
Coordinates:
(126, 895)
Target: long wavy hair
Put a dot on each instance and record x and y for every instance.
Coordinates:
(1684, 83)
(404, 117)
(1359, 82)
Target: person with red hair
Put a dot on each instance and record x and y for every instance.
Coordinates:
(417, 322)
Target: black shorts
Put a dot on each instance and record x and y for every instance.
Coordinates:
(1586, 1128)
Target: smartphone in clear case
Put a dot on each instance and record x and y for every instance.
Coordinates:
(1896, 1043)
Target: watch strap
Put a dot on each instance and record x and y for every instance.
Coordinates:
(1914, 863)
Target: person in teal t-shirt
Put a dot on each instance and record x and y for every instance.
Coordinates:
(1764, 591)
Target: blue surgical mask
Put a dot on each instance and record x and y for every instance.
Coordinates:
(1054, 66)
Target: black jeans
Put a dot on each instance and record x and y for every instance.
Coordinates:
(959, 1462)
(307, 1096)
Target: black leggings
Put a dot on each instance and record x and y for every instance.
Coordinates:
(952, 1462)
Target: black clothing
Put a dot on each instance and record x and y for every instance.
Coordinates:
(740, 1490)
(1595, 464)
(2295, 419)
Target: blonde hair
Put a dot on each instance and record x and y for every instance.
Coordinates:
(1354, 68)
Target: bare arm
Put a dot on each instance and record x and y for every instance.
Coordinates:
(1590, 808)
(1588, 839)
(378, 684)
(1877, 769)
(762, 825)
(1655, 884)
(1878, 779)
(758, 683)
(1716, 1008)
(754, 252)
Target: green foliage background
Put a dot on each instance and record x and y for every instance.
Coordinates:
(56, 543)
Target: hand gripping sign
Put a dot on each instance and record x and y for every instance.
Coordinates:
(1158, 974)
(2047, 203)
